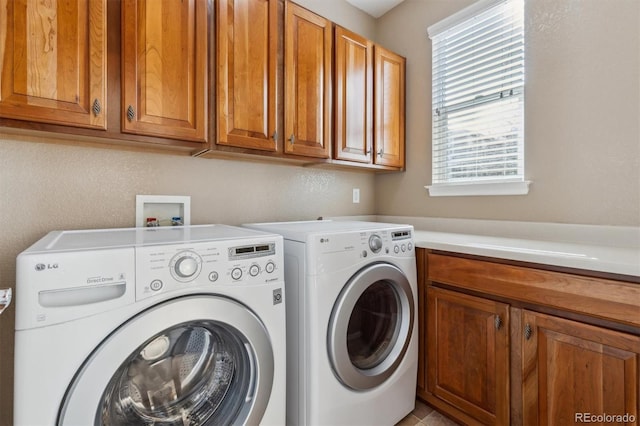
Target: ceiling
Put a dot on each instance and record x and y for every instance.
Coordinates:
(375, 8)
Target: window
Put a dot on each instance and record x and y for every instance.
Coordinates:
(478, 100)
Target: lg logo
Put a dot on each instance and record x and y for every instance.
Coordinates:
(42, 266)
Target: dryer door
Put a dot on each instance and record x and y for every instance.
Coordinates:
(201, 360)
(370, 326)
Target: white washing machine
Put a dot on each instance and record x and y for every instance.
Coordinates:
(351, 329)
(171, 326)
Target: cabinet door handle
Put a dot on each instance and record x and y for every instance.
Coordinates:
(96, 107)
(528, 332)
(381, 151)
(292, 139)
(131, 113)
(498, 322)
(275, 136)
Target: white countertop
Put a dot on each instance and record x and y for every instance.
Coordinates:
(611, 249)
(618, 260)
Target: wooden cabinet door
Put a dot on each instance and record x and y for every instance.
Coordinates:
(307, 109)
(571, 370)
(468, 354)
(353, 93)
(421, 266)
(247, 51)
(389, 108)
(53, 62)
(164, 68)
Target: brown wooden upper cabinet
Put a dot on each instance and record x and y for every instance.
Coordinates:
(164, 68)
(389, 107)
(353, 97)
(369, 89)
(53, 62)
(307, 73)
(247, 49)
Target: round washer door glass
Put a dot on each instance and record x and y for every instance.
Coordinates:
(188, 374)
(370, 326)
(197, 360)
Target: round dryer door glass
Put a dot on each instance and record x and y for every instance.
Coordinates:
(190, 374)
(374, 325)
(370, 326)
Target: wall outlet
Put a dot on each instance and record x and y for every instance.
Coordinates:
(356, 195)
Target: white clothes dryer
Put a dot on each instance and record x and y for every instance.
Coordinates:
(163, 326)
(352, 340)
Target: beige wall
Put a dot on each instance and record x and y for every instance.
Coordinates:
(344, 14)
(595, 179)
(582, 115)
(44, 186)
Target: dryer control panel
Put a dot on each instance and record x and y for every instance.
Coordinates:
(340, 250)
(368, 242)
(164, 268)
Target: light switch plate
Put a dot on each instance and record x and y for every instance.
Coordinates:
(356, 195)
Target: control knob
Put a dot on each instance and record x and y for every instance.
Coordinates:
(375, 243)
(186, 266)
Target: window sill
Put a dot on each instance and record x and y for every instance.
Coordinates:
(479, 189)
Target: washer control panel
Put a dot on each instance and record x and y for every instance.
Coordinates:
(164, 268)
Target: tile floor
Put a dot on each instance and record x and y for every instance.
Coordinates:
(423, 415)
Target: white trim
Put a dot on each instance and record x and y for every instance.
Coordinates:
(460, 16)
(480, 188)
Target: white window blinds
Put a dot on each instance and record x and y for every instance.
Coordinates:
(478, 94)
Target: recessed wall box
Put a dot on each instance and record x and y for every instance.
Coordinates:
(166, 209)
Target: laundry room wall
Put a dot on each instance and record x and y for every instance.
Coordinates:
(45, 186)
(582, 132)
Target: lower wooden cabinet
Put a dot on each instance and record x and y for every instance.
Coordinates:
(572, 370)
(487, 358)
(468, 354)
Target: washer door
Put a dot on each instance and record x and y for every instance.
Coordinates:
(370, 326)
(190, 361)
